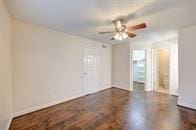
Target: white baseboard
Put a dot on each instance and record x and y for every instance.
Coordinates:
(9, 122)
(148, 90)
(174, 94)
(120, 87)
(188, 105)
(103, 88)
(36, 108)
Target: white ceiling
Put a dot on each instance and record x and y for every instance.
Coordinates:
(86, 18)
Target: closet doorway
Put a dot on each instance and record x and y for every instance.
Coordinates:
(139, 70)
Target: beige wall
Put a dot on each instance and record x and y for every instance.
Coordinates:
(121, 66)
(187, 67)
(5, 67)
(48, 66)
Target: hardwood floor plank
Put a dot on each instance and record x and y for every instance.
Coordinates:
(111, 109)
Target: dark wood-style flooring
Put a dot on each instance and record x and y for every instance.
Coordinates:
(112, 109)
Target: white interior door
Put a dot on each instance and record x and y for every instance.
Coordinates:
(91, 70)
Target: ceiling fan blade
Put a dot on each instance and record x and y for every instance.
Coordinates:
(112, 38)
(106, 32)
(131, 35)
(139, 26)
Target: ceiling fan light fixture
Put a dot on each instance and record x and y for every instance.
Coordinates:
(116, 36)
(125, 36)
(120, 36)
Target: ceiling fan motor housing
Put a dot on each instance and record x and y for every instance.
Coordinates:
(119, 25)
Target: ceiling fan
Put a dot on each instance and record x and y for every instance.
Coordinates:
(122, 31)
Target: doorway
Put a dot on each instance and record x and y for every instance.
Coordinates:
(91, 70)
(162, 70)
(139, 69)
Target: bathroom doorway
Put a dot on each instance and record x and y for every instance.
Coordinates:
(162, 73)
